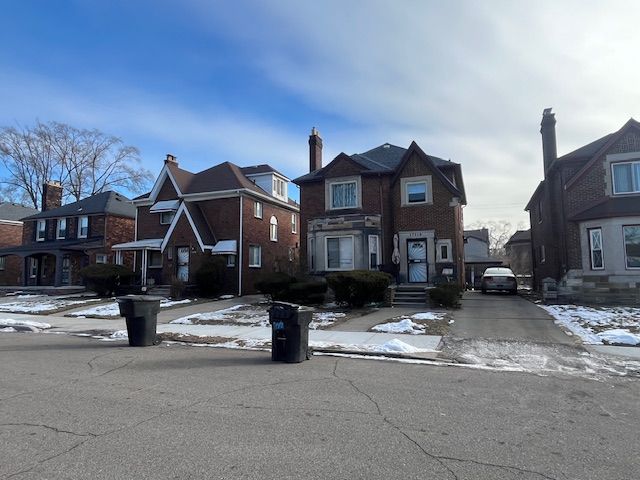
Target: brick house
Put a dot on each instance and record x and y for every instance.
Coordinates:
(518, 252)
(585, 217)
(241, 213)
(11, 226)
(62, 239)
(476, 256)
(389, 208)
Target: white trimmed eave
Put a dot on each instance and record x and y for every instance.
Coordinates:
(11, 222)
(182, 209)
(164, 174)
(196, 197)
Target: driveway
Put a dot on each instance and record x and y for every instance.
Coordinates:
(505, 317)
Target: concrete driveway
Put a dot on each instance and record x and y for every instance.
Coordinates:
(498, 316)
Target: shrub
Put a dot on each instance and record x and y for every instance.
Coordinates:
(104, 278)
(359, 287)
(306, 292)
(177, 289)
(274, 285)
(210, 276)
(446, 295)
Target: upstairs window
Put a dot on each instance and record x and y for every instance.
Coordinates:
(278, 187)
(294, 223)
(626, 177)
(416, 192)
(595, 248)
(257, 209)
(273, 229)
(61, 231)
(83, 227)
(41, 230)
(344, 195)
(166, 217)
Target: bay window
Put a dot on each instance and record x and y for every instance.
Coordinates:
(339, 253)
(595, 248)
(631, 234)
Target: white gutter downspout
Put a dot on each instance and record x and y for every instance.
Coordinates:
(240, 250)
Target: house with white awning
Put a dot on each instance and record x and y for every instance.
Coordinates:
(240, 213)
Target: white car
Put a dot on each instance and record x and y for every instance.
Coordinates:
(499, 279)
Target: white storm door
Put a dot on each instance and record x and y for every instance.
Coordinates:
(417, 259)
(183, 264)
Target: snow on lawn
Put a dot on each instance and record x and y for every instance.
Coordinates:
(49, 304)
(598, 325)
(8, 325)
(403, 326)
(429, 316)
(112, 309)
(252, 315)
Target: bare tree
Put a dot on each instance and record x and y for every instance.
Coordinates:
(83, 161)
(500, 232)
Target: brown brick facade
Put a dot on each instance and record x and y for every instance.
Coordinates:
(10, 235)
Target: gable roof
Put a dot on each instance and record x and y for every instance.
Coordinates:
(388, 159)
(521, 236)
(15, 212)
(109, 202)
(480, 234)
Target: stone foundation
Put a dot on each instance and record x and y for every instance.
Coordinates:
(599, 289)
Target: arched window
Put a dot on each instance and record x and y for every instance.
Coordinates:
(273, 229)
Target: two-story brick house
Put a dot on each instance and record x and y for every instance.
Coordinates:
(241, 213)
(389, 208)
(62, 239)
(585, 217)
(11, 226)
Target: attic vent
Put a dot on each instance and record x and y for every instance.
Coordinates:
(386, 145)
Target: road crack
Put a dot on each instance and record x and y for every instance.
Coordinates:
(48, 427)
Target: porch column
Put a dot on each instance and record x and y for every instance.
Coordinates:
(144, 268)
(57, 279)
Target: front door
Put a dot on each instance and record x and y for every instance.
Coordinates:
(183, 264)
(417, 258)
(66, 270)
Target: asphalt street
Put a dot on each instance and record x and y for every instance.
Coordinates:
(79, 408)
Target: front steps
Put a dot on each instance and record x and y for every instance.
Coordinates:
(410, 295)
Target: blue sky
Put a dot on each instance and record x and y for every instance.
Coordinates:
(245, 81)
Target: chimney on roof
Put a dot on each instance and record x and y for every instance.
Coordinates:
(171, 159)
(51, 195)
(548, 131)
(315, 150)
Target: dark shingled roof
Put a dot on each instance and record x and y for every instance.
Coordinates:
(611, 207)
(224, 176)
(383, 159)
(208, 238)
(105, 202)
(480, 234)
(587, 151)
(520, 236)
(15, 212)
(259, 169)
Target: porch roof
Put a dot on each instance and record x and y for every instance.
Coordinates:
(53, 247)
(225, 247)
(165, 206)
(146, 244)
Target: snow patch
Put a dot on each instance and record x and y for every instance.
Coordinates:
(428, 316)
(402, 326)
(8, 322)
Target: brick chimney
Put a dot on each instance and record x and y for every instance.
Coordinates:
(171, 159)
(51, 195)
(548, 131)
(315, 150)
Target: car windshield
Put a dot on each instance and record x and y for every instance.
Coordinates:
(498, 271)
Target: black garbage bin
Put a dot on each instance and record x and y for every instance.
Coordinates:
(289, 332)
(141, 314)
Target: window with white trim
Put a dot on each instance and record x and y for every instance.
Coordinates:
(167, 217)
(344, 194)
(101, 258)
(595, 248)
(631, 234)
(294, 223)
(83, 226)
(374, 252)
(3, 262)
(255, 256)
(339, 253)
(257, 209)
(33, 267)
(61, 229)
(273, 229)
(416, 192)
(626, 177)
(41, 230)
(444, 251)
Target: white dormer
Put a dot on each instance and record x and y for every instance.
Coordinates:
(273, 183)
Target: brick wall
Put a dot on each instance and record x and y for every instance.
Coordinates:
(11, 235)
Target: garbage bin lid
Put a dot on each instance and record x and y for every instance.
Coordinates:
(139, 298)
(293, 306)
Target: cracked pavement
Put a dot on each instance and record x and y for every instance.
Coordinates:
(78, 408)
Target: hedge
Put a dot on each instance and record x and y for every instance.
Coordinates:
(359, 287)
(105, 278)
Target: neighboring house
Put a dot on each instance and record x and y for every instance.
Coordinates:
(11, 225)
(476, 256)
(62, 239)
(518, 251)
(585, 217)
(352, 208)
(242, 214)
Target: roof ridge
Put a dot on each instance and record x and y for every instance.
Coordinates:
(371, 160)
